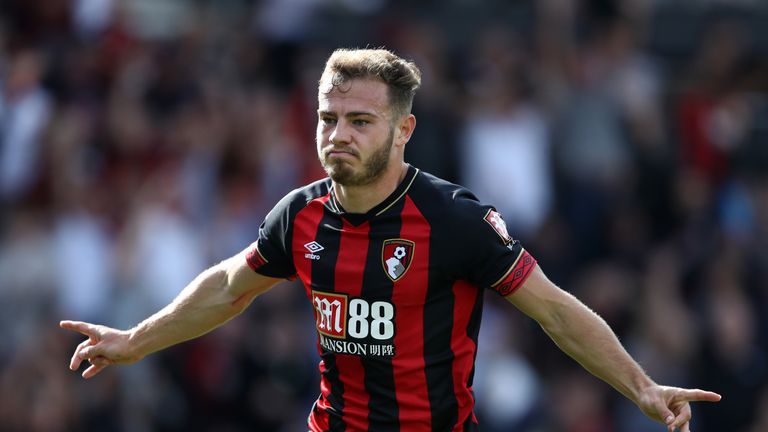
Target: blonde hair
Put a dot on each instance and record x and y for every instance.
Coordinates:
(401, 76)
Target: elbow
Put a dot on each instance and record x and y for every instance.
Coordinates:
(556, 320)
(243, 301)
(221, 293)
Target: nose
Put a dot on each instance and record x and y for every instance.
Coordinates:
(340, 134)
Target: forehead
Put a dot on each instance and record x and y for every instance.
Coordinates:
(357, 94)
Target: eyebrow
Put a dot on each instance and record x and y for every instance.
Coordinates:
(349, 114)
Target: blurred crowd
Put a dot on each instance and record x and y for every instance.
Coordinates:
(625, 143)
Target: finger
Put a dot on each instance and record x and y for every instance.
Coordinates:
(87, 329)
(101, 361)
(666, 416)
(685, 427)
(683, 417)
(91, 352)
(93, 370)
(74, 363)
(696, 395)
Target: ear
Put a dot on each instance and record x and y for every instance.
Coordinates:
(404, 129)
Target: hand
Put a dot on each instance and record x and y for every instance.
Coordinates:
(670, 405)
(105, 346)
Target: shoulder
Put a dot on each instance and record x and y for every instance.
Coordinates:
(457, 210)
(448, 198)
(300, 197)
(277, 225)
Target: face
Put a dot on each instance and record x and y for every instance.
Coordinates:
(355, 132)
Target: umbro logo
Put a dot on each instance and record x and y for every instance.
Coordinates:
(313, 247)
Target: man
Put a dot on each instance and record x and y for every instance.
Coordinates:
(395, 262)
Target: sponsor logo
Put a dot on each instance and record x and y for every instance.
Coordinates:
(330, 313)
(313, 247)
(396, 257)
(497, 223)
(354, 326)
(357, 348)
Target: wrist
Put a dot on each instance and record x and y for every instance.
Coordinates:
(135, 344)
(640, 388)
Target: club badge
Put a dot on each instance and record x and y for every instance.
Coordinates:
(497, 223)
(396, 257)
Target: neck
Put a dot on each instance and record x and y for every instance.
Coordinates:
(360, 199)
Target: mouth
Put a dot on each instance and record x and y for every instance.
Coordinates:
(339, 153)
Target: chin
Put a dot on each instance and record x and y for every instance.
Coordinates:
(339, 173)
(344, 179)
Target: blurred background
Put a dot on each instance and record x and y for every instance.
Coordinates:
(625, 142)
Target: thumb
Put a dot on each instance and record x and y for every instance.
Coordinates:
(90, 352)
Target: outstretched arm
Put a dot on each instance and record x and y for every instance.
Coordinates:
(211, 299)
(586, 337)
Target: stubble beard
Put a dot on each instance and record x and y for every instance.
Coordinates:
(373, 168)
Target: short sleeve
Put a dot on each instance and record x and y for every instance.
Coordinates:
(493, 259)
(270, 254)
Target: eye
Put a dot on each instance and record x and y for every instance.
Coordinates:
(327, 121)
(360, 122)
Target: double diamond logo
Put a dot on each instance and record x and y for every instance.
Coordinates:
(313, 247)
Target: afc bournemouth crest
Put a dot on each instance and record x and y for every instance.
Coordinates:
(396, 257)
(497, 223)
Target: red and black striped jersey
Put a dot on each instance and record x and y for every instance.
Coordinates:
(397, 295)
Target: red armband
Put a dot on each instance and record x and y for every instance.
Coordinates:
(516, 275)
(254, 257)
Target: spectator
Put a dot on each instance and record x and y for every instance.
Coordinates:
(640, 123)
(24, 113)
